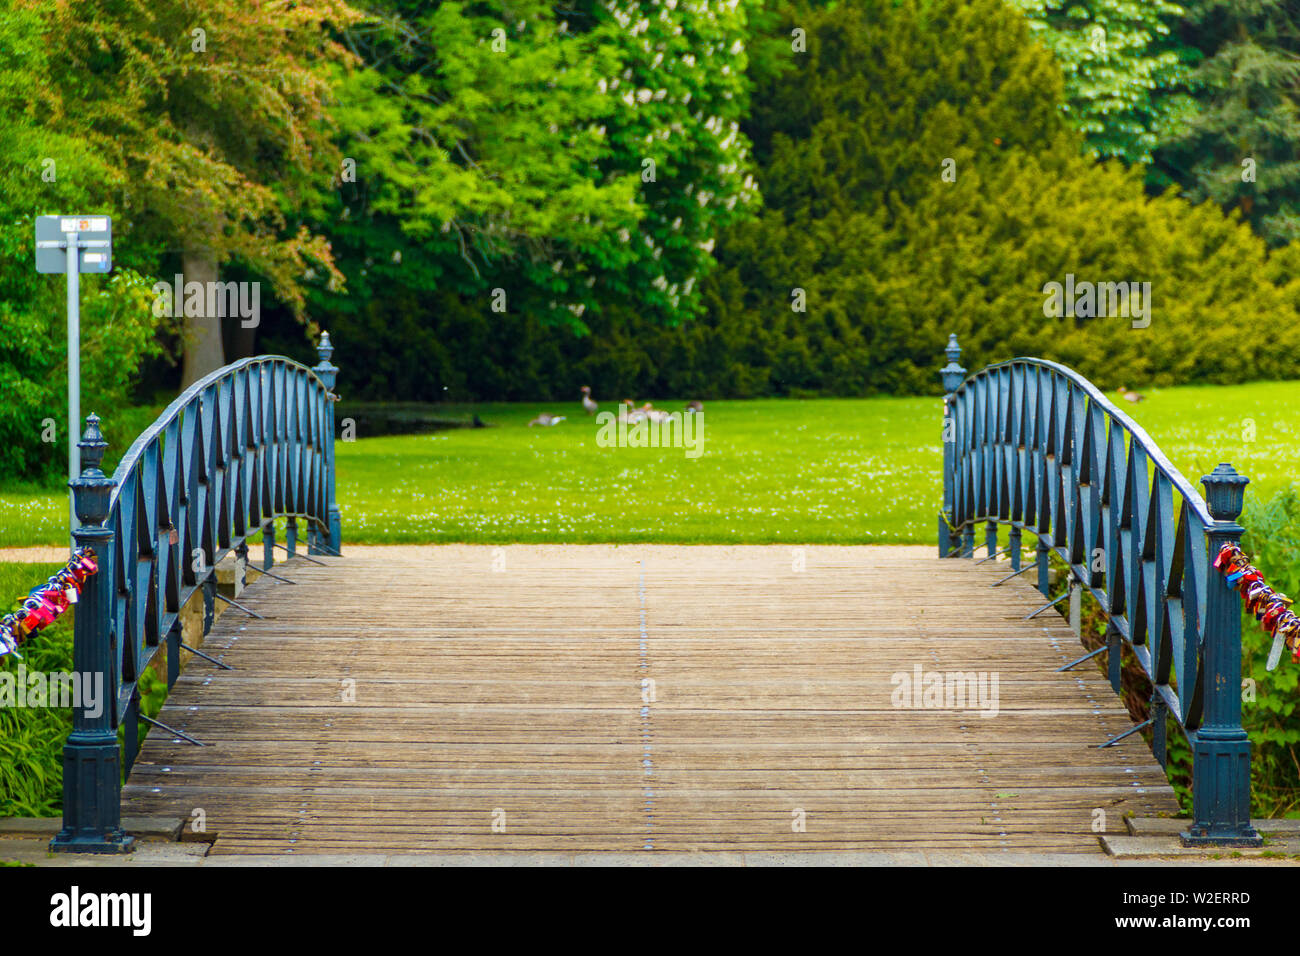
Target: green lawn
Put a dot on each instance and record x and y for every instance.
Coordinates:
(828, 470)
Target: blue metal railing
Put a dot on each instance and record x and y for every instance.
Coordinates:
(249, 443)
(1033, 445)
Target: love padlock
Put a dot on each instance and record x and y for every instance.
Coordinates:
(70, 586)
(35, 614)
(1271, 615)
(1252, 595)
(88, 562)
(1226, 553)
(56, 598)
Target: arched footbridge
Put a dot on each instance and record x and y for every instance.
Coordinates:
(650, 698)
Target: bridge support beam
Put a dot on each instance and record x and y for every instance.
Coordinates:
(92, 769)
(1221, 749)
(268, 544)
(1044, 568)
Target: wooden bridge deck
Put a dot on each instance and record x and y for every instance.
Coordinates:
(505, 710)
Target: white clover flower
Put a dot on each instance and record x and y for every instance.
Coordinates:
(644, 95)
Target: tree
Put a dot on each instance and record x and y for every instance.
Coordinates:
(48, 164)
(217, 121)
(920, 180)
(1125, 70)
(570, 159)
(1241, 147)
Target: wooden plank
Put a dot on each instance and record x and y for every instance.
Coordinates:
(397, 700)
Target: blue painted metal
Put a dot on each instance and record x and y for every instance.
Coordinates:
(250, 443)
(91, 767)
(1033, 445)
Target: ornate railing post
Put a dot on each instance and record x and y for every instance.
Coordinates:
(92, 769)
(328, 373)
(953, 375)
(1221, 750)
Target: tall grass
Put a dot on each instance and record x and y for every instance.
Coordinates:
(1270, 699)
(32, 738)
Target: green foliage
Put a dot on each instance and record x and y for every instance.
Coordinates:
(570, 158)
(32, 738)
(892, 257)
(118, 332)
(1125, 70)
(1272, 540)
(853, 139)
(1240, 147)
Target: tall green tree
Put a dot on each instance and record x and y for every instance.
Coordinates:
(1125, 70)
(216, 118)
(568, 156)
(919, 179)
(1241, 146)
(49, 164)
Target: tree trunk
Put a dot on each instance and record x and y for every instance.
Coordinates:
(204, 352)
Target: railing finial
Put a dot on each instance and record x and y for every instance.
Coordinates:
(1225, 492)
(92, 445)
(91, 490)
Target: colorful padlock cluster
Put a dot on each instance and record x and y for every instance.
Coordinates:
(1270, 608)
(47, 601)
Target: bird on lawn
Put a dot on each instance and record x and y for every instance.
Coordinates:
(654, 414)
(545, 418)
(1128, 396)
(588, 402)
(628, 412)
(694, 406)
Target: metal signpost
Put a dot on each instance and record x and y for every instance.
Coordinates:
(73, 245)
